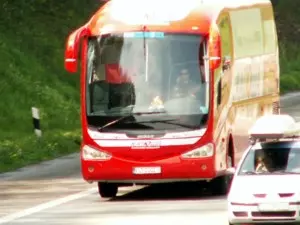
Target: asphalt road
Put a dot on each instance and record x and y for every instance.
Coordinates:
(54, 193)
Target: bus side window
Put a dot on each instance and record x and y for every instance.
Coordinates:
(226, 46)
(201, 61)
(219, 97)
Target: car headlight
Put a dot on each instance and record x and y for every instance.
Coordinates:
(240, 199)
(89, 153)
(242, 202)
(202, 152)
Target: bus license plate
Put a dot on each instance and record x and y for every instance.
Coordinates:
(147, 170)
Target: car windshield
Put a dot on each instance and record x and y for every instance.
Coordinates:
(139, 73)
(271, 160)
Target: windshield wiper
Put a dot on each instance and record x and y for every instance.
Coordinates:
(248, 172)
(290, 172)
(285, 172)
(167, 121)
(126, 117)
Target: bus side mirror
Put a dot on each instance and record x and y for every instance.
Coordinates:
(214, 47)
(72, 49)
(226, 63)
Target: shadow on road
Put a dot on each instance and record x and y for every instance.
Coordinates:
(172, 191)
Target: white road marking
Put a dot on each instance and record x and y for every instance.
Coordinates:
(47, 205)
(24, 220)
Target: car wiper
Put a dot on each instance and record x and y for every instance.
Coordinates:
(291, 172)
(285, 172)
(126, 117)
(248, 172)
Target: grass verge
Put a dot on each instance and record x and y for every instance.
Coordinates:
(290, 67)
(29, 149)
(32, 41)
(287, 15)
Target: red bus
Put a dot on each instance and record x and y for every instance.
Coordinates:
(169, 89)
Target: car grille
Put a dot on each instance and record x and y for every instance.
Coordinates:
(274, 214)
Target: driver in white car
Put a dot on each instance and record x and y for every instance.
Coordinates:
(261, 165)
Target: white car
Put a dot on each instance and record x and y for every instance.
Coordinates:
(266, 184)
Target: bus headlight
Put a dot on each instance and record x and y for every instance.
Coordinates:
(89, 153)
(202, 152)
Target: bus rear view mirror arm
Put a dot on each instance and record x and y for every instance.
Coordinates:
(72, 48)
(211, 58)
(214, 47)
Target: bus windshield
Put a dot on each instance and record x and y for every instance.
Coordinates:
(139, 73)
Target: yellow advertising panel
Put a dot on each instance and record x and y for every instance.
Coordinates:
(247, 32)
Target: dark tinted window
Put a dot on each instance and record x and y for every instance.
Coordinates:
(271, 160)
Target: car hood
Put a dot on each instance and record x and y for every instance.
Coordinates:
(266, 184)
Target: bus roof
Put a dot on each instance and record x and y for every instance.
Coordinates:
(189, 16)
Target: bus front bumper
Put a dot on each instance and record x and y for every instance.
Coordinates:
(167, 170)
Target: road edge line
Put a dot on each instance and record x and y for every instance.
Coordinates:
(46, 205)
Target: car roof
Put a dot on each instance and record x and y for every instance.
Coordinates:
(276, 144)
